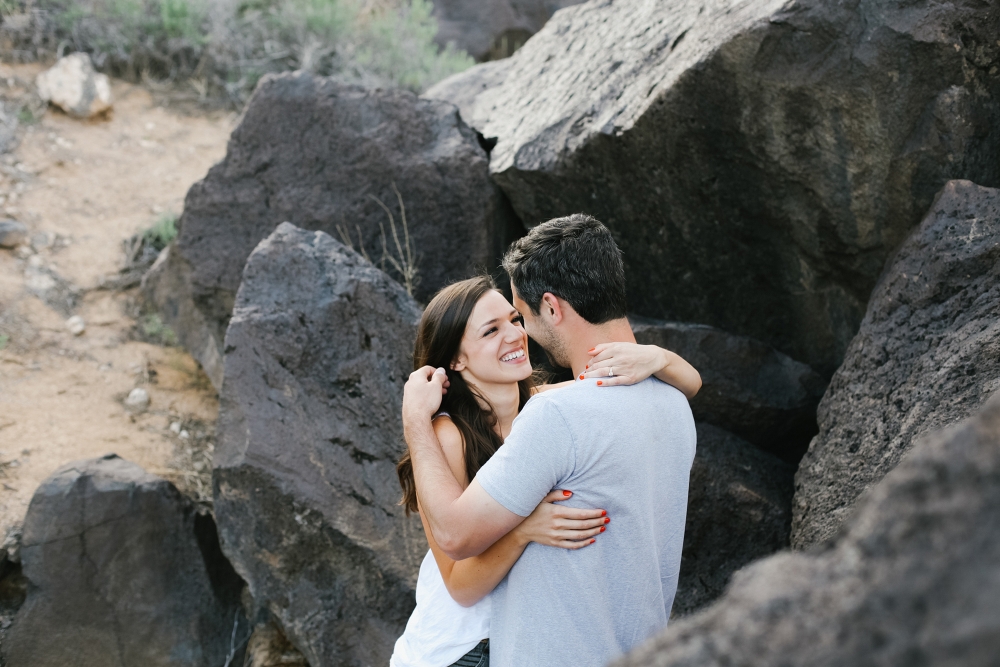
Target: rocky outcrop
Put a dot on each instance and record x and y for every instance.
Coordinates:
(73, 86)
(757, 162)
(328, 156)
(739, 510)
(470, 91)
(927, 355)
(122, 571)
(912, 579)
(748, 387)
(491, 29)
(309, 431)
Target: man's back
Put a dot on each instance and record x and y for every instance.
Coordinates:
(624, 449)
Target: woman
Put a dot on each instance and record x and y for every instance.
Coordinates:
(471, 330)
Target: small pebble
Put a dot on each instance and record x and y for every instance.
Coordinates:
(76, 325)
(184, 435)
(137, 401)
(12, 234)
(24, 251)
(175, 427)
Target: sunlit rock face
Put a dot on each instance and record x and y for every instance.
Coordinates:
(758, 162)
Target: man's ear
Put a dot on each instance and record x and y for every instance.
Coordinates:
(551, 307)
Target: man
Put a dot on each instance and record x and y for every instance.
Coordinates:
(625, 449)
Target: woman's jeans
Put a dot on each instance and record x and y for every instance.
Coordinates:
(477, 657)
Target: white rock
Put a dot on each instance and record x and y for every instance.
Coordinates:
(74, 86)
(175, 427)
(137, 401)
(76, 325)
(184, 435)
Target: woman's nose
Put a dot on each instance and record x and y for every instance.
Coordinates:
(512, 333)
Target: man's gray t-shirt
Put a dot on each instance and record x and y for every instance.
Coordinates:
(624, 449)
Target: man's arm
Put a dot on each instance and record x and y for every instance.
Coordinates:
(464, 524)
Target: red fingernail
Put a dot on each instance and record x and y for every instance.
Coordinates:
(592, 541)
(567, 493)
(587, 366)
(602, 529)
(604, 512)
(599, 383)
(581, 377)
(607, 520)
(591, 350)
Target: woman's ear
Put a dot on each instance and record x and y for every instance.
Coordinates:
(459, 364)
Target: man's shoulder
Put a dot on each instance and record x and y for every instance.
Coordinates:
(587, 393)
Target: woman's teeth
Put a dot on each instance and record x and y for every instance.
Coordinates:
(517, 354)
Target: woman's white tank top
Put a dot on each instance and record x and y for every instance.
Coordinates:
(440, 631)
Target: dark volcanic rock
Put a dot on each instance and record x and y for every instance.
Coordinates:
(913, 579)
(756, 161)
(748, 387)
(739, 510)
(318, 153)
(317, 352)
(927, 355)
(490, 29)
(123, 571)
(471, 90)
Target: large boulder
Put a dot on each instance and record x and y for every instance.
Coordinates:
(748, 387)
(739, 510)
(756, 161)
(305, 487)
(122, 571)
(912, 579)
(491, 29)
(928, 354)
(328, 156)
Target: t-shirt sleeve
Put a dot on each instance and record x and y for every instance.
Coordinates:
(534, 458)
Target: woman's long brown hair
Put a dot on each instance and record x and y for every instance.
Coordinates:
(439, 337)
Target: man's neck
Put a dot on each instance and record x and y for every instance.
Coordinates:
(586, 336)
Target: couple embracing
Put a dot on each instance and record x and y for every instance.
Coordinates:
(554, 513)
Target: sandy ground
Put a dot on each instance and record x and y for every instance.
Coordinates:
(82, 187)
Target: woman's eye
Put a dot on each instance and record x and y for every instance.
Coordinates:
(492, 330)
(519, 319)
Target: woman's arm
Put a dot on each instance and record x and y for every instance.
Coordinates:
(633, 363)
(470, 580)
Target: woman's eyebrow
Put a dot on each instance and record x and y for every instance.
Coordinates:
(486, 324)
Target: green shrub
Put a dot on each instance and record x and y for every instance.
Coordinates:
(153, 330)
(225, 46)
(4, 339)
(163, 231)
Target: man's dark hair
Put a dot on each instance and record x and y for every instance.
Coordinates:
(574, 258)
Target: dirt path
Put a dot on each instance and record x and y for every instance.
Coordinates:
(82, 188)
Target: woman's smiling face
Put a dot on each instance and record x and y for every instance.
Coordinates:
(494, 349)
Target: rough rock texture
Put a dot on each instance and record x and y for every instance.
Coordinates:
(757, 161)
(490, 29)
(748, 387)
(305, 486)
(73, 86)
(928, 354)
(739, 510)
(912, 579)
(318, 153)
(470, 91)
(123, 571)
